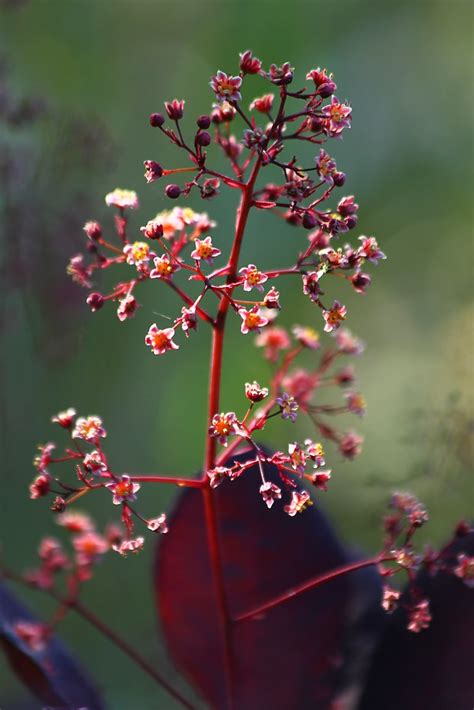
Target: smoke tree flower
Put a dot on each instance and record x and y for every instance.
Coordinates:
(289, 406)
(160, 340)
(252, 320)
(124, 490)
(159, 524)
(204, 250)
(88, 428)
(253, 278)
(123, 199)
(270, 493)
(299, 501)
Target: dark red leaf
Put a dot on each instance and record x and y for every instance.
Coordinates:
(431, 669)
(293, 657)
(50, 673)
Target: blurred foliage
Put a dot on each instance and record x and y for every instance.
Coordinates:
(406, 68)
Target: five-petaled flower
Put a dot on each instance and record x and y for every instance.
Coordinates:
(370, 250)
(334, 316)
(300, 500)
(253, 278)
(88, 428)
(204, 251)
(159, 524)
(390, 599)
(297, 457)
(164, 267)
(273, 339)
(95, 463)
(89, 546)
(270, 493)
(315, 451)
(465, 569)
(289, 406)
(263, 104)
(338, 115)
(127, 307)
(137, 253)
(225, 87)
(356, 403)
(306, 336)
(419, 616)
(124, 490)
(326, 167)
(251, 320)
(123, 199)
(224, 425)
(160, 340)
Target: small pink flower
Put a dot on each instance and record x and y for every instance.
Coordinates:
(263, 104)
(251, 320)
(270, 493)
(248, 63)
(75, 521)
(175, 109)
(204, 251)
(253, 278)
(78, 271)
(308, 337)
(43, 458)
(65, 418)
(272, 299)
(123, 199)
(158, 524)
(137, 253)
(334, 316)
(297, 457)
(419, 616)
(289, 406)
(299, 502)
(254, 392)
(320, 479)
(465, 569)
(350, 445)
(217, 475)
(160, 341)
(89, 546)
(281, 75)
(311, 285)
(94, 463)
(127, 307)
(153, 229)
(273, 339)
(40, 486)
(326, 167)
(356, 403)
(226, 88)
(315, 451)
(124, 490)
(188, 319)
(370, 250)
(338, 115)
(88, 428)
(223, 426)
(301, 385)
(127, 546)
(390, 599)
(348, 343)
(164, 267)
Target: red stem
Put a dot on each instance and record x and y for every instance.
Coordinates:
(213, 407)
(310, 584)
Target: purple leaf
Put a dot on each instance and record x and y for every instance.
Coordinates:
(292, 657)
(431, 669)
(49, 672)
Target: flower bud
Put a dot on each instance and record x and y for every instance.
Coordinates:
(93, 230)
(339, 178)
(327, 89)
(203, 138)
(156, 120)
(204, 121)
(173, 191)
(351, 221)
(309, 220)
(153, 170)
(95, 301)
(175, 109)
(59, 505)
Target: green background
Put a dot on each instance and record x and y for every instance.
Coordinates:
(406, 68)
